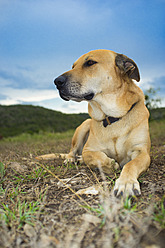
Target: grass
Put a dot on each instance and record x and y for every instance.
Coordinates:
(33, 175)
(159, 215)
(2, 190)
(127, 204)
(23, 196)
(2, 171)
(157, 129)
(100, 212)
(39, 137)
(22, 213)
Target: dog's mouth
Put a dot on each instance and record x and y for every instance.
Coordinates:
(87, 97)
(64, 97)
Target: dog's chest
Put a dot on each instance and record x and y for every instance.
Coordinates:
(113, 141)
(116, 148)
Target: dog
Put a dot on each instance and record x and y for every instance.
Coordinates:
(117, 135)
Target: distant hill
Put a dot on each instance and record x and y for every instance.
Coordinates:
(17, 119)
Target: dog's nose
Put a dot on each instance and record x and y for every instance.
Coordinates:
(60, 81)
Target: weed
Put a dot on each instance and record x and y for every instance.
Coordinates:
(41, 194)
(140, 179)
(39, 172)
(2, 171)
(7, 214)
(21, 214)
(18, 179)
(112, 180)
(35, 174)
(127, 204)
(70, 165)
(14, 193)
(100, 211)
(159, 214)
(116, 231)
(26, 212)
(2, 191)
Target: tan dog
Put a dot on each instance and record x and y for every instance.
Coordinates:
(118, 129)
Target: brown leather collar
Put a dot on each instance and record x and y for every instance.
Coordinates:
(110, 120)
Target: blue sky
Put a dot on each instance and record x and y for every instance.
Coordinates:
(41, 39)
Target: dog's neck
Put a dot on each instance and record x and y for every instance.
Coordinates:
(97, 114)
(109, 120)
(115, 105)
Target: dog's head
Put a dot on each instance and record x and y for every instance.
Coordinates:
(94, 73)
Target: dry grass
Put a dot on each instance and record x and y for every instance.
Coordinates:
(40, 206)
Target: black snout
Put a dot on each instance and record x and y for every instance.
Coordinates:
(60, 82)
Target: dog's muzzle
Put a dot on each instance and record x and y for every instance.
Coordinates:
(70, 91)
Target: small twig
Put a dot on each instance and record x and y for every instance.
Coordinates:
(80, 173)
(93, 174)
(50, 172)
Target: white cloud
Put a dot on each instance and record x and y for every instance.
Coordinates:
(66, 107)
(74, 107)
(18, 96)
(45, 98)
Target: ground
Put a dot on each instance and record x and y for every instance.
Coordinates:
(39, 205)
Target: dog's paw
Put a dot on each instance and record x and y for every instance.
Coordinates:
(69, 160)
(73, 160)
(115, 165)
(126, 187)
(109, 166)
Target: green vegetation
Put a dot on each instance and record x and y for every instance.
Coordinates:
(39, 200)
(157, 128)
(23, 120)
(34, 175)
(22, 213)
(31, 196)
(152, 101)
(39, 137)
(159, 214)
(2, 171)
(17, 119)
(127, 204)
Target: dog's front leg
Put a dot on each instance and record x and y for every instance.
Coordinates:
(79, 139)
(127, 184)
(97, 159)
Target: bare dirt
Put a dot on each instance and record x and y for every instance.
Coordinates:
(65, 220)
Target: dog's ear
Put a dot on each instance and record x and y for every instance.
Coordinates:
(127, 66)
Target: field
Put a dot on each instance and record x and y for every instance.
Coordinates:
(40, 207)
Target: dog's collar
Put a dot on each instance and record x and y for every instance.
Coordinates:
(110, 120)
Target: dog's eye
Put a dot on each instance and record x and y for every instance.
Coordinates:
(89, 63)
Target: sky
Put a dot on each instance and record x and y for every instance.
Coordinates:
(40, 39)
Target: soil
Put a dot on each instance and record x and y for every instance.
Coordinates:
(65, 220)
